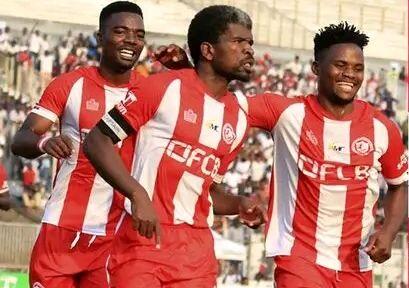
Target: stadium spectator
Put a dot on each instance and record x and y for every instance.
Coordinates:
(31, 190)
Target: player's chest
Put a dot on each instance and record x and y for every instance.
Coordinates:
(87, 104)
(208, 126)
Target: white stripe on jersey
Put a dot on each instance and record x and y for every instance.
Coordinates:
(44, 113)
(99, 204)
(240, 130)
(101, 196)
(336, 141)
(372, 192)
(213, 113)
(72, 111)
(285, 175)
(242, 101)
(187, 193)
(329, 228)
(55, 204)
(152, 147)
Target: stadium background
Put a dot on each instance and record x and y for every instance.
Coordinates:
(283, 29)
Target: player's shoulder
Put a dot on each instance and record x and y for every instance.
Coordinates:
(164, 79)
(70, 78)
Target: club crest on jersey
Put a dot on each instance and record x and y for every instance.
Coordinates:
(190, 116)
(362, 146)
(37, 285)
(92, 105)
(228, 133)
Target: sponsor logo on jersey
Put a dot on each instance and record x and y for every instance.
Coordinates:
(362, 146)
(212, 126)
(336, 147)
(228, 133)
(92, 105)
(37, 285)
(330, 171)
(185, 153)
(190, 116)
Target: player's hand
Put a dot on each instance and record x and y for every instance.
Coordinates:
(58, 146)
(379, 247)
(252, 212)
(144, 217)
(172, 57)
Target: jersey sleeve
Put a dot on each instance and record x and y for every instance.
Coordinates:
(138, 107)
(265, 109)
(54, 98)
(394, 161)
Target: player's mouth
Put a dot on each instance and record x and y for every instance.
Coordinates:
(127, 54)
(346, 87)
(248, 65)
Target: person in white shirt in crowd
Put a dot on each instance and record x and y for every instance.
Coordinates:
(35, 45)
(295, 66)
(46, 69)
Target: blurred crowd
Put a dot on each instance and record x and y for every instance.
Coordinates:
(29, 60)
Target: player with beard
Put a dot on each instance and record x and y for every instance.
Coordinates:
(329, 150)
(189, 128)
(79, 219)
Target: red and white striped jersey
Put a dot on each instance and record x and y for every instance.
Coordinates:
(325, 177)
(81, 200)
(185, 140)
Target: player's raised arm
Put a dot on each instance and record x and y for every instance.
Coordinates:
(100, 150)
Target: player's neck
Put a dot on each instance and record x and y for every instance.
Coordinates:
(215, 84)
(116, 78)
(338, 111)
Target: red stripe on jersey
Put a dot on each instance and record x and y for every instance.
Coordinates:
(188, 127)
(82, 178)
(348, 253)
(308, 191)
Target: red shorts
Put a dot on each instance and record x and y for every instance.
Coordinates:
(296, 272)
(186, 259)
(54, 264)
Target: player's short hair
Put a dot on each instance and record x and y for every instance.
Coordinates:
(211, 22)
(117, 7)
(336, 34)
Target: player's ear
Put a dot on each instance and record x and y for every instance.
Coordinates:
(315, 68)
(207, 51)
(99, 37)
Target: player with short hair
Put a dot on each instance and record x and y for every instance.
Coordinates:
(329, 151)
(189, 128)
(79, 219)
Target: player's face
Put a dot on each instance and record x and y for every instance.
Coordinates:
(233, 53)
(340, 73)
(122, 40)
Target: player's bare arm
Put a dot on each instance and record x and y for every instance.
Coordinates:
(29, 141)
(250, 211)
(100, 150)
(379, 246)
